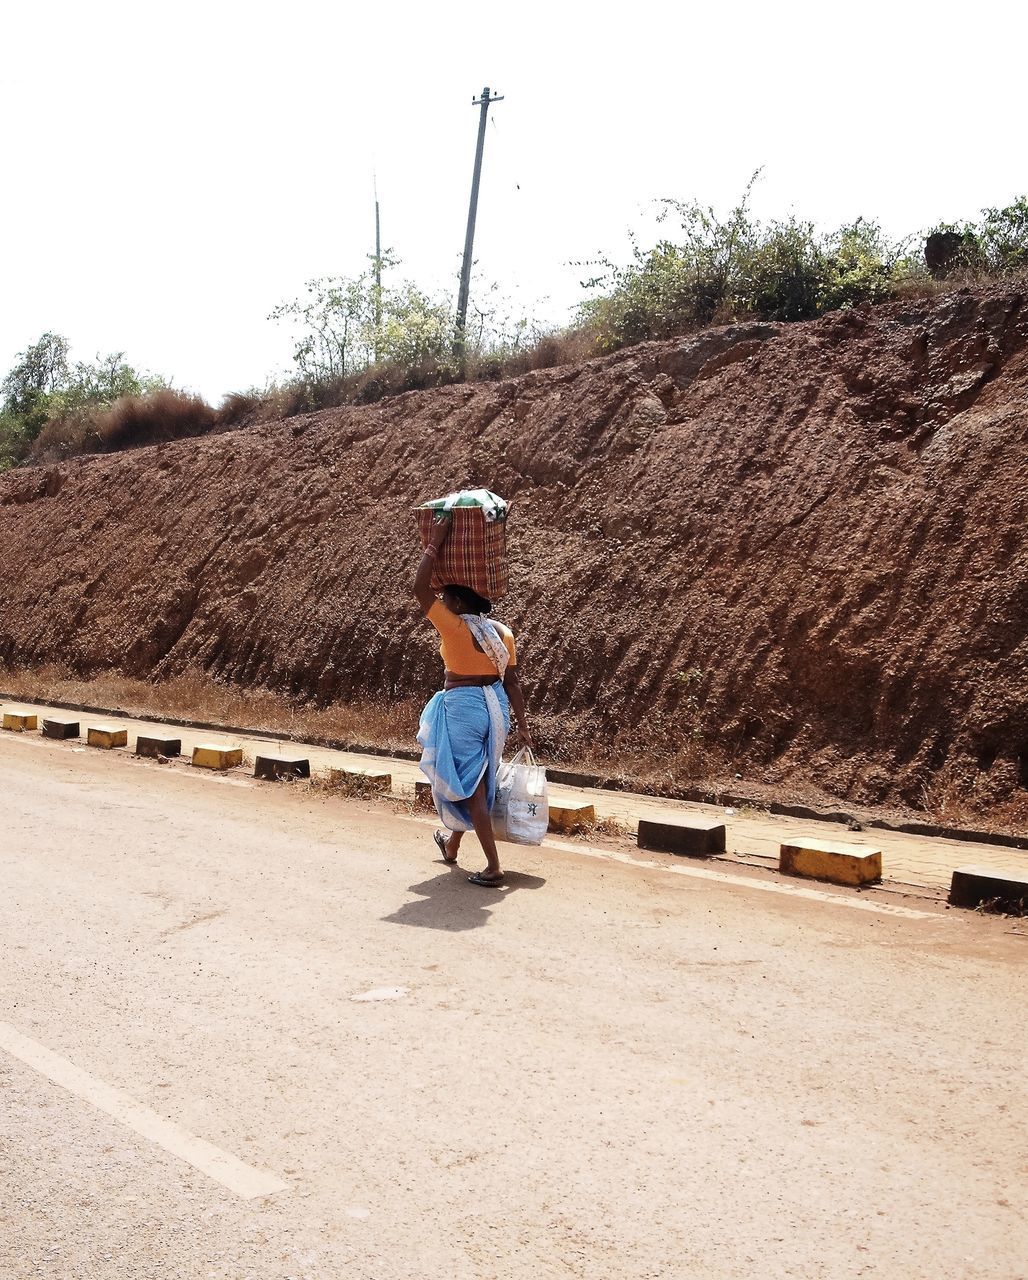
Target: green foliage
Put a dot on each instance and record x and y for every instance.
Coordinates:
(345, 325)
(32, 386)
(414, 327)
(997, 244)
(355, 341)
(1003, 235)
(780, 272)
(44, 388)
(860, 265)
(715, 270)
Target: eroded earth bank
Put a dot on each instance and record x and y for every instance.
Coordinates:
(795, 551)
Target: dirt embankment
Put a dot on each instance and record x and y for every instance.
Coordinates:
(797, 551)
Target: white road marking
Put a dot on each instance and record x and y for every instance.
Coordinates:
(241, 1178)
(745, 882)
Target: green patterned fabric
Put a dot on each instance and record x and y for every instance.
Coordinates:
(493, 506)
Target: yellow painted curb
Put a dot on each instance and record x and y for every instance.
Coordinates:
(217, 757)
(103, 735)
(571, 817)
(815, 859)
(18, 721)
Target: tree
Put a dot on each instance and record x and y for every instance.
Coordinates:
(345, 325)
(41, 370)
(44, 387)
(336, 326)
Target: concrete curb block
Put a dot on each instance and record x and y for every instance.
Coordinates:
(273, 768)
(60, 729)
(215, 756)
(971, 886)
(567, 818)
(153, 747)
(851, 865)
(19, 722)
(698, 839)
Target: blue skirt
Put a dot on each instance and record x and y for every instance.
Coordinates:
(462, 734)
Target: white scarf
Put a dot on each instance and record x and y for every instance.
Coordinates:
(490, 640)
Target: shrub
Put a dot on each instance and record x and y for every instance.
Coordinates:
(780, 272)
(995, 245)
(723, 269)
(150, 419)
(240, 407)
(65, 437)
(48, 402)
(860, 266)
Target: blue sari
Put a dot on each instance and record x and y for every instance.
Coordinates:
(462, 734)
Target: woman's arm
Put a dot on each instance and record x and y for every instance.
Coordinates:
(423, 579)
(512, 684)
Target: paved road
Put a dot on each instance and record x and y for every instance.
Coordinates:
(606, 1070)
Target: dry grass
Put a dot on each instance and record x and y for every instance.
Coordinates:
(925, 286)
(240, 408)
(164, 415)
(571, 346)
(1016, 907)
(197, 696)
(661, 765)
(660, 761)
(606, 828)
(350, 786)
(951, 800)
(130, 422)
(151, 419)
(65, 438)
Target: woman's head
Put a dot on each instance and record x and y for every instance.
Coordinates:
(460, 599)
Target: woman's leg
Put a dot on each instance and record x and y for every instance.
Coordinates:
(479, 811)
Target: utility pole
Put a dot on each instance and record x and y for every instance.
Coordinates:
(378, 281)
(469, 240)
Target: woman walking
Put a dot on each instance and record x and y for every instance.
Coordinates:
(464, 726)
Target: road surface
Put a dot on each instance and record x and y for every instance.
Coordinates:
(255, 1032)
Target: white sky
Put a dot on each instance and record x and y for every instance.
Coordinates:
(174, 171)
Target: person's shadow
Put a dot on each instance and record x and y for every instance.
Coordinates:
(448, 902)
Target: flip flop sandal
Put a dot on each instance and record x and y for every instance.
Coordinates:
(484, 881)
(440, 839)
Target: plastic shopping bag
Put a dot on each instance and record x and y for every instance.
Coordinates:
(521, 811)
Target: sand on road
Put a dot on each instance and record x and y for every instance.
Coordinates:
(604, 1070)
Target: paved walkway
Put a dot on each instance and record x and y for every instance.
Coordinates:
(917, 861)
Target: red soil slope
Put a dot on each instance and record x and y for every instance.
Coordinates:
(800, 548)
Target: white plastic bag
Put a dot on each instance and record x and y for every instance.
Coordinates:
(521, 811)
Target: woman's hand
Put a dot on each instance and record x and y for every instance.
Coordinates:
(524, 736)
(440, 530)
(423, 578)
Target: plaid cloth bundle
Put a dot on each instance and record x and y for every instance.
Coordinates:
(475, 553)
